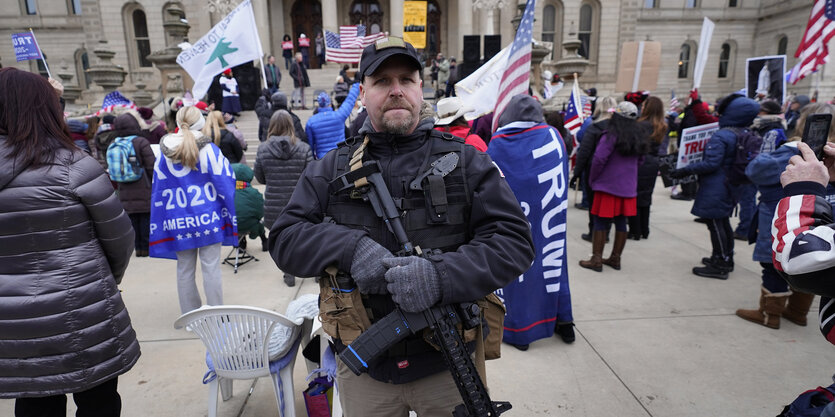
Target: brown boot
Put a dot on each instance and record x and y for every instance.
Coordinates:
(598, 241)
(614, 259)
(799, 303)
(771, 307)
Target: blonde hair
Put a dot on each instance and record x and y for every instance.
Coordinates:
(814, 108)
(214, 122)
(601, 110)
(188, 152)
(281, 124)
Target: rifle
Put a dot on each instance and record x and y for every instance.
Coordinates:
(399, 324)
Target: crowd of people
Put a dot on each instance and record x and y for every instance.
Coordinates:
(488, 211)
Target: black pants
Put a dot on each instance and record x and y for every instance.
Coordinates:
(605, 223)
(721, 237)
(100, 401)
(142, 227)
(690, 189)
(639, 225)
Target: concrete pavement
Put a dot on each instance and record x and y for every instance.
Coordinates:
(652, 339)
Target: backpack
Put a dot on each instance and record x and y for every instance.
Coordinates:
(123, 164)
(810, 403)
(748, 145)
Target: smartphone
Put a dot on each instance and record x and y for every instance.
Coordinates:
(816, 132)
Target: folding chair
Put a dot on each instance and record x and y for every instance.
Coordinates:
(242, 344)
(238, 255)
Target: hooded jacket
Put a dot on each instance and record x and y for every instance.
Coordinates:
(715, 198)
(249, 203)
(278, 165)
(65, 243)
(326, 128)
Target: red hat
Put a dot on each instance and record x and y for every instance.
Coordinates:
(227, 71)
(201, 105)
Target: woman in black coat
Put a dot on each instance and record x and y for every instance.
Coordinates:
(65, 243)
(655, 128)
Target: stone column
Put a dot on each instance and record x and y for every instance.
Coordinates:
(396, 18)
(329, 20)
(262, 23)
(465, 27)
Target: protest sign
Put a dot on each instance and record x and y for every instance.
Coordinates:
(414, 23)
(26, 47)
(692, 145)
(666, 164)
(640, 63)
(701, 57)
(765, 78)
(233, 41)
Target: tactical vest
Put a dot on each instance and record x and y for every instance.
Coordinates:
(435, 218)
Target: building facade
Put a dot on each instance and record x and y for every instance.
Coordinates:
(69, 30)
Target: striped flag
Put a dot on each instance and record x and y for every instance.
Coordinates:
(349, 38)
(673, 100)
(812, 51)
(586, 100)
(573, 118)
(516, 76)
(113, 101)
(336, 52)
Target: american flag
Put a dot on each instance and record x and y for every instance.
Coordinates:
(516, 76)
(350, 36)
(336, 52)
(114, 100)
(573, 119)
(586, 100)
(673, 100)
(812, 51)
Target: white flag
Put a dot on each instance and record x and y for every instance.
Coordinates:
(480, 91)
(233, 41)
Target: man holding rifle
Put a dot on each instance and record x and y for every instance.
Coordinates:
(453, 203)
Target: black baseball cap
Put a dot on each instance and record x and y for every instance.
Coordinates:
(373, 55)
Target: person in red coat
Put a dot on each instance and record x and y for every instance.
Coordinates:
(450, 119)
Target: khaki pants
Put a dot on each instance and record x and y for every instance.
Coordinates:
(363, 396)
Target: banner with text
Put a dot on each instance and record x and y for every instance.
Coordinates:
(414, 23)
(692, 145)
(25, 46)
(233, 41)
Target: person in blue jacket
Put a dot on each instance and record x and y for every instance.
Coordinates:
(715, 199)
(326, 128)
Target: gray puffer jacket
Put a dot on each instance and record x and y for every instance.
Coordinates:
(65, 243)
(278, 165)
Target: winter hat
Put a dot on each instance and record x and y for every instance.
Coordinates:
(279, 100)
(108, 119)
(145, 112)
(202, 106)
(228, 118)
(323, 99)
(302, 35)
(522, 108)
(636, 97)
(227, 71)
(592, 92)
(449, 109)
(76, 126)
(547, 75)
(770, 107)
(803, 100)
(627, 109)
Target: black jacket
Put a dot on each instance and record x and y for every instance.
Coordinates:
(264, 109)
(230, 147)
(499, 247)
(278, 165)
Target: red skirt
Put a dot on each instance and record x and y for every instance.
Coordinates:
(609, 206)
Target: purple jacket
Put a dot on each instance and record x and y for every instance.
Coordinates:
(612, 172)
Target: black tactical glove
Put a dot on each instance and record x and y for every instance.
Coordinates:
(367, 268)
(413, 282)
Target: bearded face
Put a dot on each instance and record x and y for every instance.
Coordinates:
(393, 96)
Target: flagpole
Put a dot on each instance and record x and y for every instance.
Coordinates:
(40, 51)
(260, 48)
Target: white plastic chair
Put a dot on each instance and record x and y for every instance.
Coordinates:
(237, 339)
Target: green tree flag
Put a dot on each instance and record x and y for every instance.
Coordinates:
(221, 49)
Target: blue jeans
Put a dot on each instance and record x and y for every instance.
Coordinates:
(747, 197)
